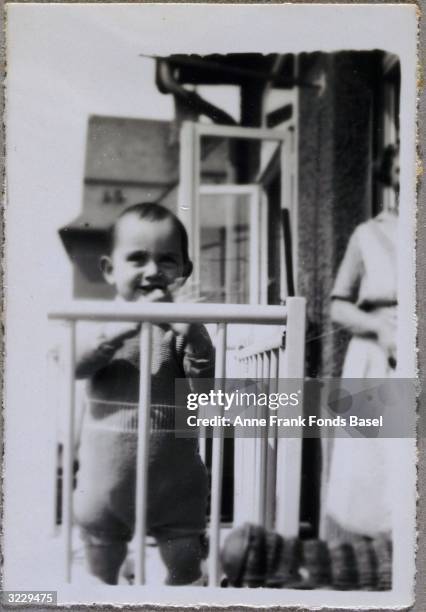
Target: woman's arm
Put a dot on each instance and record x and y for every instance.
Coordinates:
(365, 324)
(353, 319)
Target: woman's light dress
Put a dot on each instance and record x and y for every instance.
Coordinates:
(359, 493)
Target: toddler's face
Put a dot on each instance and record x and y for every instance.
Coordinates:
(146, 261)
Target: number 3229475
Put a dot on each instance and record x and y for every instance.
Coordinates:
(29, 597)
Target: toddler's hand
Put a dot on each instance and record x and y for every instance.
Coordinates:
(115, 334)
(156, 295)
(96, 347)
(165, 292)
(180, 329)
(177, 290)
(176, 293)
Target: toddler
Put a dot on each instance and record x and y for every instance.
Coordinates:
(147, 262)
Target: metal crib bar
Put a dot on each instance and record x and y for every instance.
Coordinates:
(90, 310)
(68, 453)
(245, 365)
(267, 369)
(143, 450)
(217, 468)
(238, 480)
(271, 468)
(257, 430)
(240, 464)
(250, 473)
(262, 442)
(55, 399)
(259, 366)
(239, 459)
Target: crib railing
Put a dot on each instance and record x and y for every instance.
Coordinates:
(277, 472)
(272, 463)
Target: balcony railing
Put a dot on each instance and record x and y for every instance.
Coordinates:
(267, 468)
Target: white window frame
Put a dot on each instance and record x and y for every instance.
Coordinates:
(190, 189)
(253, 193)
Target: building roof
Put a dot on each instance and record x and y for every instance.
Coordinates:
(131, 150)
(134, 156)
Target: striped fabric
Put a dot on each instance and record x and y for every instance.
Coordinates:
(123, 416)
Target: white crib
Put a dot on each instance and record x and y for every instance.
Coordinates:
(267, 468)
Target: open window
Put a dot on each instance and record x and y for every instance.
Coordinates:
(240, 233)
(242, 228)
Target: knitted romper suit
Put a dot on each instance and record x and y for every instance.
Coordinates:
(177, 482)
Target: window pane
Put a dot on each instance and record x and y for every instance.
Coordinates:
(225, 160)
(225, 248)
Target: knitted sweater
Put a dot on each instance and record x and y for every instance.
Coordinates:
(177, 482)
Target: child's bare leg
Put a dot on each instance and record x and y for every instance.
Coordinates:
(104, 558)
(182, 557)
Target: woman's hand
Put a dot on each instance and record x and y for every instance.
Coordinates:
(386, 332)
(378, 326)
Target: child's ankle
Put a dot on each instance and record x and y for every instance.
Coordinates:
(104, 560)
(185, 579)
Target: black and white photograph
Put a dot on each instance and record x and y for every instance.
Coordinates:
(210, 305)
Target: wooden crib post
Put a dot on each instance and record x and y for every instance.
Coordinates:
(289, 457)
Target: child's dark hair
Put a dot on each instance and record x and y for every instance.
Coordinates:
(152, 211)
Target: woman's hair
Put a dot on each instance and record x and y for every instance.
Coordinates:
(152, 211)
(384, 165)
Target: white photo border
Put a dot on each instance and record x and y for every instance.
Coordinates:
(357, 33)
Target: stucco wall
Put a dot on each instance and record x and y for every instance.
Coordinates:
(334, 185)
(335, 169)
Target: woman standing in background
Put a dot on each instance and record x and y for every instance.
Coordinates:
(364, 301)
